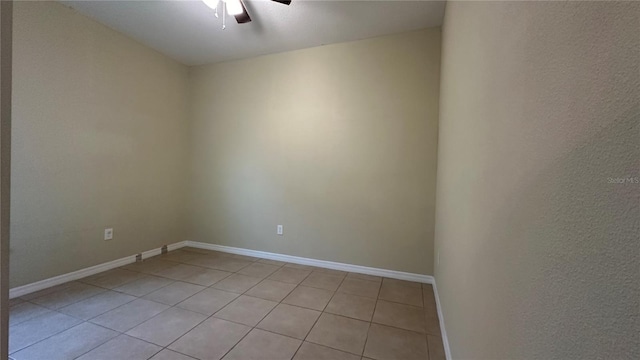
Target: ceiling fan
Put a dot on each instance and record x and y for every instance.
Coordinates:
(235, 8)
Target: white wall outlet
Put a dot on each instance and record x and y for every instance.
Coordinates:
(280, 230)
(108, 233)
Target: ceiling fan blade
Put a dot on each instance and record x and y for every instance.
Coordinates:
(244, 17)
(286, 2)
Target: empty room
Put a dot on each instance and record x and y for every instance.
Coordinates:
(319, 180)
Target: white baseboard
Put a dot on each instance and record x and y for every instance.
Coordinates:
(176, 246)
(157, 251)
(313, 262)
(79, 274)
(443, 331)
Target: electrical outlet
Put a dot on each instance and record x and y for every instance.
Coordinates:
(108, 233)
(279, 230)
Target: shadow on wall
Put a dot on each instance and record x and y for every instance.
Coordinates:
(574, 251)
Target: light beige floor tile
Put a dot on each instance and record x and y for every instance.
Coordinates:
(340, 333)
(399, 315)
(170, 355)
(331, 271)
(179, 272)
(309, 297)
(290, 320)
(429, 300)
(359, 287)
(396, 292)
(243, 257)
(68, 344)
(385, 342)
(323, 280)
(96, 305)
(272, 262)
(46, 291)
(432, 322)
(310, 351)
(299, 266)
(174, 293)
(364, 277)
(259, 270)
(166, 327)
(261, 345)
(38, 328)
(237, 283)
(207, 261)
(157, 271)
(149, 266)
(202, 251)
(208, 301)
(129, 315)
(179, 256)
(271, 290)
(24, 311)
(413, 284)
(246, 310)
(436, 348)
(210, 340)
(206, 277)
(290, 275)
(353, 306)
(144, 285)
(122, 347)
(230, 264)
(112, 279)
(73, 293)
(15, 301)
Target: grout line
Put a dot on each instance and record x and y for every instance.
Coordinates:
(322, 312)
(318, 318)
(241, 294)
(372, 316)
(178, 352)
(239, 341)
(186, 332)
(118, 334)
(426, 340)
(32, 317)
(143, 295)
(280, 302)
(48, 337)
(93, 317)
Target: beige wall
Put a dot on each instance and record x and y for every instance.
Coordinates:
(6, 27)
(539, 253)
(337, 143)
(99, 140)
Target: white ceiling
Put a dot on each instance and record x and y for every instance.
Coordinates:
(187, 31)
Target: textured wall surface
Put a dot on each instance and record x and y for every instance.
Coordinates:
(337, 143)
(539, 245)
(99, 140)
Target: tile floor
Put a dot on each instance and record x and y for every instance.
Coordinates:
(199, 304)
